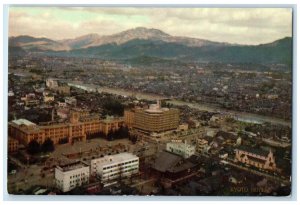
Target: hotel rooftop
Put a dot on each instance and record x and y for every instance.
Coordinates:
(72, 166)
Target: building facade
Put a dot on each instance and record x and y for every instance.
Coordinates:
(76, 129)
(70, 176)
(202, 145)
(13, 144)
(153, 119)
(48, 98)
(51, 83)
(257, 158)
(114, 167)
(129, 117)
(30, 99)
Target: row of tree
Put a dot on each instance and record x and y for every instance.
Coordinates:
(121, 133)
(34, 147)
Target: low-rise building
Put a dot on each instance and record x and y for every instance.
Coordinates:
(255, 157)
(51, 83)
(72, 175)
(71, 101)
(62, 89)
(48, 98)
(30, 99)
(183, 149)
(202, 145)
(62, 104)
(114, 167)
(172, 169)
(183, 127)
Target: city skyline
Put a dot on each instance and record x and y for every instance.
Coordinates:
(159, 102)
(232, 25)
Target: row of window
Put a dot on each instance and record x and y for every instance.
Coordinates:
(132, 161)
(124, 171)
(77, 175)
(78, 180)
(119, 170)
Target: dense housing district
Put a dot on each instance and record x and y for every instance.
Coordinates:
(117, 129)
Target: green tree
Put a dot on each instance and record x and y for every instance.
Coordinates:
(110, 135)
(33, 147)
(47, 146)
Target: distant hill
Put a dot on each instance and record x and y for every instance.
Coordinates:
(276, 52)
(36, 44)
(154, 43)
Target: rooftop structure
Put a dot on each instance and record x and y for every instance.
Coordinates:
(23, 122)
(183, 149)
(173, 168)
(72, 166)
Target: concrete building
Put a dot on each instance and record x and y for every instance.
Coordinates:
(255, 157)
(77, 129)
(71, 101)
(183, 149)
(72, 175)
(62, 89)
(54, 85)
(202, 145)
(30, 99)
(129, 117)
(62, 104)
(51, 83)
(153, 119)
(183, 127)
(11, 93)
(13, 144)
(48, 98)
(113, 167)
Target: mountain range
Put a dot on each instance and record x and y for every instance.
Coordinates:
(140, 41)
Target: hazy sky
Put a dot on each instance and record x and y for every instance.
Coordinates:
(233, 25)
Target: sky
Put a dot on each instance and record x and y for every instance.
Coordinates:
(233, 25)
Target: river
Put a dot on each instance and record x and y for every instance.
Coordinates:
(241, 116)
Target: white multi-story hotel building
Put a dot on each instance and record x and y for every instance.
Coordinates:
(112, 167)
(72, 175)
(183, 149)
